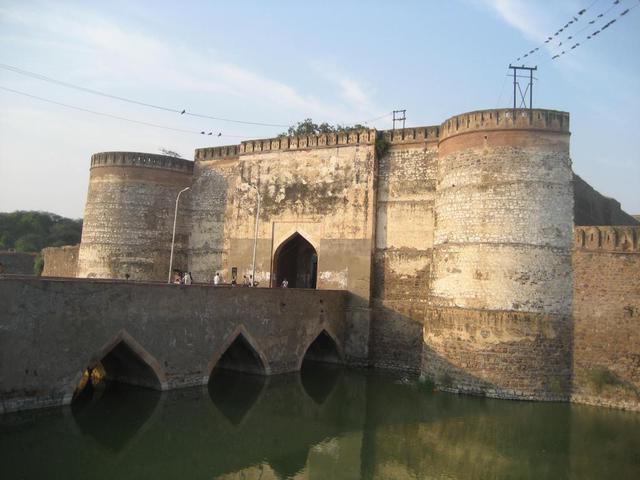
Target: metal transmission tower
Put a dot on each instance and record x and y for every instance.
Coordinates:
(397, 117)
(517, 89)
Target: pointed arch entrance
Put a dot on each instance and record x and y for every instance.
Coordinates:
(296, 260)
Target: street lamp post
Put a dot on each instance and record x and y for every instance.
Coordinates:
(255, 238)
(173, 238)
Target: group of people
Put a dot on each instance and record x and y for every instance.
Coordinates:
(185, 278)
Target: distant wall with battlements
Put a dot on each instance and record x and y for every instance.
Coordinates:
(606, 316)
(60, 261)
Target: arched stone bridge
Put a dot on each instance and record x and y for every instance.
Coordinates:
(157, 335)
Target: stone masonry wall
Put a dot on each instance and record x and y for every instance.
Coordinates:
(498, 322)
(129, 215)
(606, 337)
(60, 261)
(53, 329)
(404, 241)
(215, 175)
(17, 263)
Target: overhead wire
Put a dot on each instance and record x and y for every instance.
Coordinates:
(183, 111)
(574, 19)
(557, 54)
(117, 117)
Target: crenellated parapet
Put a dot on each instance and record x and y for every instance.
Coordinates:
(138, 159)
(412, 135)
(302, 142)
(217, 153)
(607, 238)
(506, 119)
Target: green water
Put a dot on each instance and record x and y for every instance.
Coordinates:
(327, 423)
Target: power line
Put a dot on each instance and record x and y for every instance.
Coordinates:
(183, 111)
(595, 33)
(574, 19)
(116, 117)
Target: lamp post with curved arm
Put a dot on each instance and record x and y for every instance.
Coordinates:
(255, 237)
(173, 238)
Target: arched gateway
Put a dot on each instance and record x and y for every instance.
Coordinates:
(297, 261)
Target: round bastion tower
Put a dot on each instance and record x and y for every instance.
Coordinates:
(128, 218)
(498, 322)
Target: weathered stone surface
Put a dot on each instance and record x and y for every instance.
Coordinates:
(606, 291)
(17, 263)
(60, 261)
(129, 215)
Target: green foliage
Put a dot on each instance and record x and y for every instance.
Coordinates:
(382, 145)
(38, 265)
(32, 231)
(308, 127)
(601, 377)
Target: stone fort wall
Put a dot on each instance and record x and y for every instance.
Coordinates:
(455, 242)
(404, 246)
(60, 261)
(129, 213)
(606, 328)
(498, 321)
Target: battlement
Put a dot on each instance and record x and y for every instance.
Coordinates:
(506, 119)
(607, 238)
(217, 153)
(323, 140)
(412, 135)
(138, 159)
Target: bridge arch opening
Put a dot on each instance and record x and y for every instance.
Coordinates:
(122, 361)
(323, 349)
(320, 372)
(241, 356)
(296, 261)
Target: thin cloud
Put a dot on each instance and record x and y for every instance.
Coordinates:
(108, 55)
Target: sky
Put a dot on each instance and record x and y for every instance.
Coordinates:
(280, 62)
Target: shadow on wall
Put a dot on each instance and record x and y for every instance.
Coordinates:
(208, 201)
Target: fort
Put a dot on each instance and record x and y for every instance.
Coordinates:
(467, 253)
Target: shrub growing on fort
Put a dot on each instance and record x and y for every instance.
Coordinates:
(308, 127)
(601, 377)
(38, 265)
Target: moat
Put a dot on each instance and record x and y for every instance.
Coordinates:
(326, 423)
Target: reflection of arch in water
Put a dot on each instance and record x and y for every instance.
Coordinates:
(125, 361)
(235, 393)
(319, 367)
(296, 259)
(115, 418)
(240, 353)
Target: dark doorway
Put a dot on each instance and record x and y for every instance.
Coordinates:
(323, 349)
(297, 261)
(241, 357)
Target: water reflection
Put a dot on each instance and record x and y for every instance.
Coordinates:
(235, 393)
(127, 410)
(320, 379)
(348, 425)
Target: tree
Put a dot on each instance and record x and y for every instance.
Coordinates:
(32, 231)
(308, 127)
